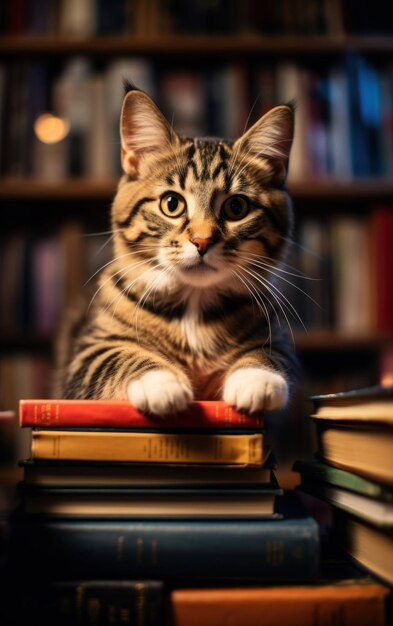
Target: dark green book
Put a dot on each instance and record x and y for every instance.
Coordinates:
(318, 471)
(374, 510)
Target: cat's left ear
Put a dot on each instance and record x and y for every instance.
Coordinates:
(270, 138)
(144, 132)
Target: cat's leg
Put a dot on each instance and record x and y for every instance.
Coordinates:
(159, 391)
(255, 389)
(122, 373)
(253, 385)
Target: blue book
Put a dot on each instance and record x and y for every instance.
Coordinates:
(364, 116)
(269, 550)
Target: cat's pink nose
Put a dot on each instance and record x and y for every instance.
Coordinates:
(202, 244)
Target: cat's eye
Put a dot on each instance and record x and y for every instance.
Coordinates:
(172, 204)
(235, 208)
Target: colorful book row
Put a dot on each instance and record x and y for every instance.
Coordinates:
(344, 263)
(344, 112)
(138, 17)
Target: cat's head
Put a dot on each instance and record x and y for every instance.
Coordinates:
(201, 212)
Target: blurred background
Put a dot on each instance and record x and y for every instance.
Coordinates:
(213, 66)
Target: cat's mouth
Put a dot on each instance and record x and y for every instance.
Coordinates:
(199, 267)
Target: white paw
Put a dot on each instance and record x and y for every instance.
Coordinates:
(254, 389)
(159, 392)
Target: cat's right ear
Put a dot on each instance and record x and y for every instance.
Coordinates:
(144, 132)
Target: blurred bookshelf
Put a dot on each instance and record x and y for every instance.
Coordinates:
(213, 65)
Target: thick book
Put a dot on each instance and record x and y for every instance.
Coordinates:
(368, 545)
(354, 431)
(120, 414)
(274, 550)
(117, 474)
(81, 602)
(151, 447)
(369, 404)
(366, 450)
(348, 602)
(151, 503)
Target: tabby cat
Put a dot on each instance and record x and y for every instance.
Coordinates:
(189, 307)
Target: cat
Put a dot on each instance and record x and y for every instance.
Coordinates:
(189, 308)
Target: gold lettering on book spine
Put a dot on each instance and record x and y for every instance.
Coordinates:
(275, 553)
(140, 603)
(42, 414)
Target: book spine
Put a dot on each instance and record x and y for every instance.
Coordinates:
(80, 413)
(78, 602)
(324, 605)
(164, 549)
(245, 449)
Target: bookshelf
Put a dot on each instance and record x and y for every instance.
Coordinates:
(169, 44)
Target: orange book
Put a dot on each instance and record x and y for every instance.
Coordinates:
(348, 603)
(148, 447)
(120, 414)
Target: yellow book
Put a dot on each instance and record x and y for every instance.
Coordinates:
(238, 449)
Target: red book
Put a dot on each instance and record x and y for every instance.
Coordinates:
(382, 241)
(121, 414)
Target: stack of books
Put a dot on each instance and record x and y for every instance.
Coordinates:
(134, 519)
(118, 507)
(353, 472)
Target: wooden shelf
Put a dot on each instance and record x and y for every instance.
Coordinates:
(314, 341)
(80, 189)
(70, 189)
(201, 45)
(332, 341)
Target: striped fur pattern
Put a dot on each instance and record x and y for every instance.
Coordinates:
(190, 307)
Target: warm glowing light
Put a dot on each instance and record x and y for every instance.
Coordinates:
(51, 129)
(387, 380)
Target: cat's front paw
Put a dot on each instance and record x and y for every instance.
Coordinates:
(159, 392)
(253, 389)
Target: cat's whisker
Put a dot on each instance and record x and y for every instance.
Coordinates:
(118, 258)
(286, 302)
(123, 272)
(263, 294)
(128, 287)
(281, 300)
(100, 249)
(257, 296)
(145, 295)
(293, 242)
(261, 258)
(102, 233)
(271, 272)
